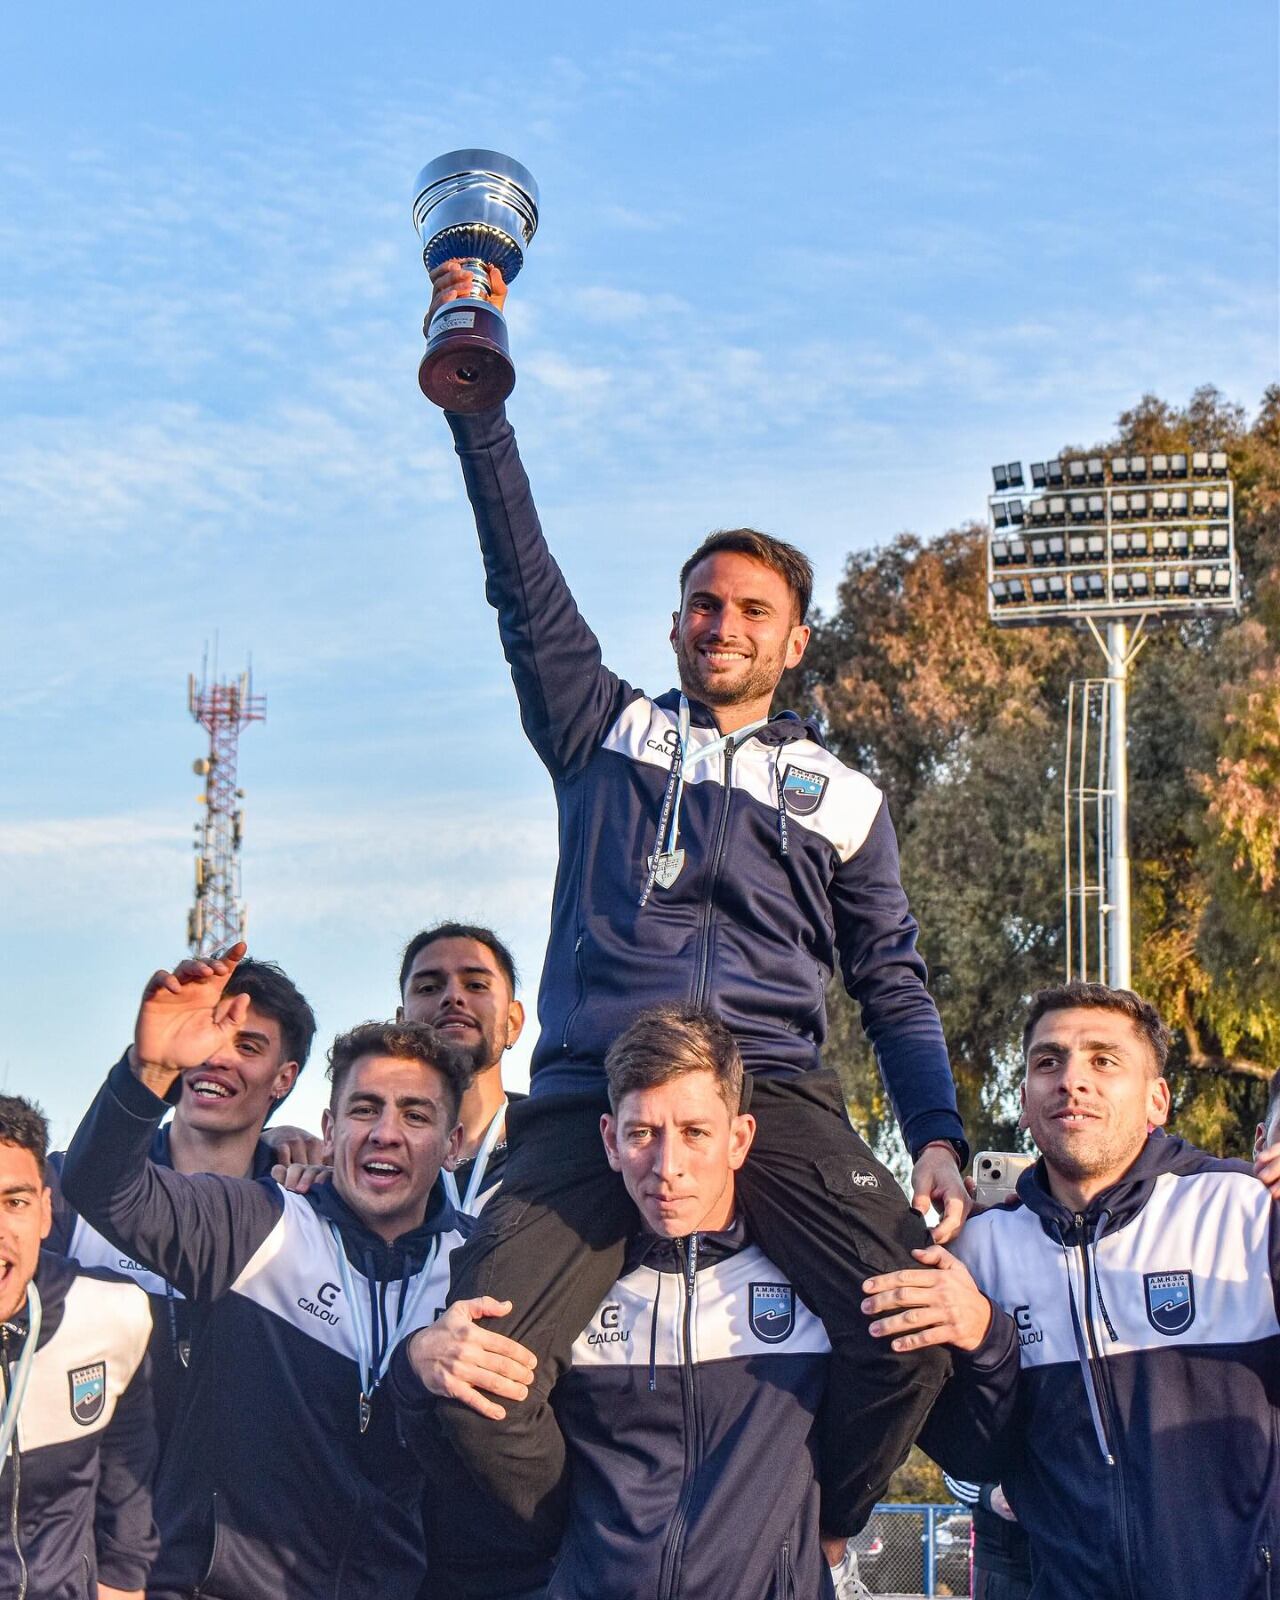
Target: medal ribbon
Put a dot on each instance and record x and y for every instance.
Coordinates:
(479, 1166)
(704, 752)
(21, 1373)
(369, 1378)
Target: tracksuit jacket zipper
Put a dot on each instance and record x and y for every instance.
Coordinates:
(713, 880)
(1102, 1391)
(674, 1548)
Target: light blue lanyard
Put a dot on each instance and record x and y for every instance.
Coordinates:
(479, 1166)
(704, 752)
(21, 1373)
(361, 1331)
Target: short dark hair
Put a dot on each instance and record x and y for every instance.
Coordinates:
(23, 1123)
(404, 1041)
(1098, 997)
(273, 992)
(668, 1041)
(790, 564)
(459, 930)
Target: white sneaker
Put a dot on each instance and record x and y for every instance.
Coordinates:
(846, 1579)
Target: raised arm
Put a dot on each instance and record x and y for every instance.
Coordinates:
(198, 1232)
(568, 698)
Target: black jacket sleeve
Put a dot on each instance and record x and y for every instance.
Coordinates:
(568, 698)
(885, 973)
(197, 1231)
(126, 1536)
(972, 1430)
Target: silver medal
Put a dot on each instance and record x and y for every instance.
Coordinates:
(666, 867)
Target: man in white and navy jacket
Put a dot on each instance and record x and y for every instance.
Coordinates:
(285, 1479)
(1116, 1330)
(77, 1430)
(689, 1403)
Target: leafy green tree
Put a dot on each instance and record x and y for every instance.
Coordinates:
(963, 725)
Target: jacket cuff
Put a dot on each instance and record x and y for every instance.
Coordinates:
(123, 1569)
(408, 1391)
(478, 430)
(133, 1096)
(939, 1125)
(999, 1345)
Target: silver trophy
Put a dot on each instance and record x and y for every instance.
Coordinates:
(480, 208)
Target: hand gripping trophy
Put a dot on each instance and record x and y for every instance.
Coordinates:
(481, 208)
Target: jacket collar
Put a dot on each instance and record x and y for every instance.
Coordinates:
(372, 1254)
(1115, 1207)
(783, 727)
(670, 1255)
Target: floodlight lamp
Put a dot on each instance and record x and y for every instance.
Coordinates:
(1039, 589)
(1178, 541)
(1057, 586)
(1120, 543)
(1015, 511)
(1097, 585)
(1079, 586)
(1000, 592)
(1014, 469)
(1137, 468)
(1057, 548)
(1120, 506)
(1178, 465)
(1094, 470)
(1001, 477)
(1037, 511)
(1077, 508)
(1120, 469)
(1000, 513)
(1182, 581)
(1000, 552)
(1178, 503)
(1053, 474)
(1016, 590)
(1039, 479)
(1138, 543)
(1097, 508)
(1220, 541)
(1159, 466)
(1163, 580)
(1137, 505)
(1160, 542)
(1204, 580)
(1139, 583)
(1039, 552)
(1097, 547)
(1199, 502)
(1200, 540)
(1221, 501)
(1200, 464)
(1076, 472)
(1218, 463)
(1120, 585)
(1076, 547)
(1222, 580)
(1057, 508)
(1160, 503)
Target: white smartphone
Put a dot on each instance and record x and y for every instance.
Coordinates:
(996, 1174)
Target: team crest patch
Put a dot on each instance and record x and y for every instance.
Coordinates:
(88, 1392)
(802, 791)
(773, 1311)
(1171, 1301)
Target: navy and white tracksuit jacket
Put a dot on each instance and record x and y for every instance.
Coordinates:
(268, 1490)
(171, 1313)
(688, 1412)
(791, 862)
(85, 1441)
(1139, 1441)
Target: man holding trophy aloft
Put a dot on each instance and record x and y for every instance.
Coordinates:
(714, 854)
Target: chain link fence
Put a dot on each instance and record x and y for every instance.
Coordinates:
(915, 1550)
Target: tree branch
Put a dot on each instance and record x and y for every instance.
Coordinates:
(1226, 1066)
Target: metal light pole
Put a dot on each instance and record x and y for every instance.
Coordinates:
(1108, 545)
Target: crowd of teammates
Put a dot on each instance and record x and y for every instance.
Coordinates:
(664, 1328)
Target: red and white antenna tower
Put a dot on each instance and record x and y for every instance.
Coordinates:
(217, 918)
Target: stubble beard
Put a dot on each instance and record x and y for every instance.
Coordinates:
(759, 681)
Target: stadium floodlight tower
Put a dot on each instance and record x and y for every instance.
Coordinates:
(1110, 545)
(222, 707)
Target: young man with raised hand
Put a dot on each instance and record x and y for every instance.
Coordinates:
(690, 1399)
(77, 1432)
(710, 853)
(218, 1125)
(461, 980)
(1117, 1333)
(289, 1482)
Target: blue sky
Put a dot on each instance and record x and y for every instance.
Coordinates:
(812, 268)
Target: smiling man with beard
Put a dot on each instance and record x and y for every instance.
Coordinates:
(1117, 1330)
(285, 1479)
(461, 980)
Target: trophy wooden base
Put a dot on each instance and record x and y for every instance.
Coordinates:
(467, 367)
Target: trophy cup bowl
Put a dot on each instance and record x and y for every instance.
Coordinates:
(480, 208)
